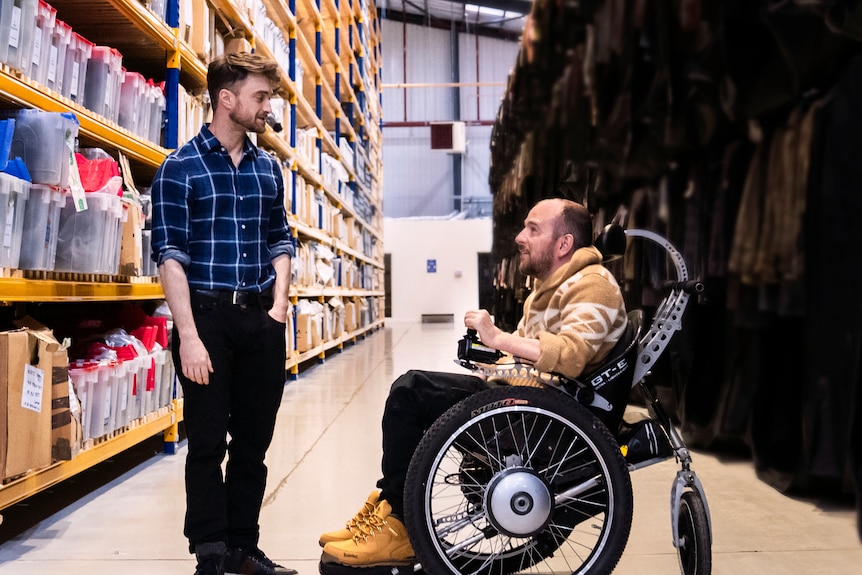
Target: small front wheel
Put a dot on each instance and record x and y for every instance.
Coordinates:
(695, 539)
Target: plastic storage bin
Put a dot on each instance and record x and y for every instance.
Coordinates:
(75, 70)
(159, 7)
(46, 18)
(102, 90)
(132, 99)
(13, 201)
(84, 376)
(157, 106)
(54, 55)
(17, 25)
(41, 225)
(44, 140)
(85, 241)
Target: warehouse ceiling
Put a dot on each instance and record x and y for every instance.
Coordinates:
(503, 18)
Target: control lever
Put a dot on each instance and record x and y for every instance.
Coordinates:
(470, 349)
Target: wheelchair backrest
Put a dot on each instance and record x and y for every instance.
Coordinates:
(605, 390)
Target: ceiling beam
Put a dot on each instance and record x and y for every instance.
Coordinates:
(434, 22)
(517, 6)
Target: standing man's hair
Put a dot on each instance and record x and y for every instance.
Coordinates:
(575, 219)
(228, 69)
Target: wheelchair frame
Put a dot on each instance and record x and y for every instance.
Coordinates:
(649, 347)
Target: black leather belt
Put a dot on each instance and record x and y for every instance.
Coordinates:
(240, 298)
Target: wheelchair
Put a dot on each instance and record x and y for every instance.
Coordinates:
(522, 479)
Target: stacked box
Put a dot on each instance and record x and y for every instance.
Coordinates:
(25, 402)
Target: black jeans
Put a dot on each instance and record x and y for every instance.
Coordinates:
(417, 399)
(247, 350)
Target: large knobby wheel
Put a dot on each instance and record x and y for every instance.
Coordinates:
(518, 479)
(695, 546)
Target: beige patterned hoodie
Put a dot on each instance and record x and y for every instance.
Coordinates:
(578, 314)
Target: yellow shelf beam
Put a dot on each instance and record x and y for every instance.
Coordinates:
(38, 290)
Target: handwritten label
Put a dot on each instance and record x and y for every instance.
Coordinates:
(34, 385)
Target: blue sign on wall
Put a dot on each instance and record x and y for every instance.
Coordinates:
(431, 266)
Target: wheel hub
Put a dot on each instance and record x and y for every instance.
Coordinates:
(518, 502)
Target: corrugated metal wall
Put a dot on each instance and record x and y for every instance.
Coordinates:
(419, 181)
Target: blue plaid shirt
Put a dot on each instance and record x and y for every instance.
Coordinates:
(223, 224)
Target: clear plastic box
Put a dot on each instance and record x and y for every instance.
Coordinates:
(46, 17)
(54, 55)
(104, 76)
(101, 400)
(159, 7)
(84, 241)
(17, 24)
(44, 141)
(84, 376)
(75, 70)
(13, 201)
(132, 98)
(41, 224)
(157, 105)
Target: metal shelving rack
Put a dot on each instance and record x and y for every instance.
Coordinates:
(153, 47)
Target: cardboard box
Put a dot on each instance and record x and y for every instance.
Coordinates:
(66, 432)
(131, 246)
(351, 323)
(66, 429)
(303, 332)
(25, 402)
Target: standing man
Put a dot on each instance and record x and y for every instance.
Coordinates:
(223, 247)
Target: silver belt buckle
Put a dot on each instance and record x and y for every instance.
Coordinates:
(233, 297)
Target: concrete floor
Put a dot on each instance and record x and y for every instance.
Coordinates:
(325, 460)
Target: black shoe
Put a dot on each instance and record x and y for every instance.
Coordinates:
(209, 566)
(210, 557)
(252, 561)
(643, 441)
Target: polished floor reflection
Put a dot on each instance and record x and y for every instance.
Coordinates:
(326, 458)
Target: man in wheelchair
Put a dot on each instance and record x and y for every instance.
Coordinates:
(572, 320)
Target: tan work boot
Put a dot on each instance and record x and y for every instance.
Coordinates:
(352, 526)
(381, 540)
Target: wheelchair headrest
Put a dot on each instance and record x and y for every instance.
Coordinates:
(611, 242)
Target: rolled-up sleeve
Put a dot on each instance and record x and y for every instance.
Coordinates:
(170, 190)
(280, 240)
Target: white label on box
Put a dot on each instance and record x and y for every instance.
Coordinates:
(8, 225)
(16, 26)
(37, 48)
(109, 97)
(76, 71)
(34, 384)
(52, 63)
(124, 397)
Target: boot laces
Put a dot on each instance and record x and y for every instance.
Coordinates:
(260, 558)
(369, 527)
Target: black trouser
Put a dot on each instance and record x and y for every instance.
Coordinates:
(247, 350)
(417, 399)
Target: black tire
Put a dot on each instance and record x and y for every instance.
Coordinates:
(485, 491)
(695, 548)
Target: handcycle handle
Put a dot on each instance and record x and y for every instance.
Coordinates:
(690, 286)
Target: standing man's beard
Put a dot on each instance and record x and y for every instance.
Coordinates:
(250, 125)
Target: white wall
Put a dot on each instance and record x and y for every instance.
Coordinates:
(454, 245)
